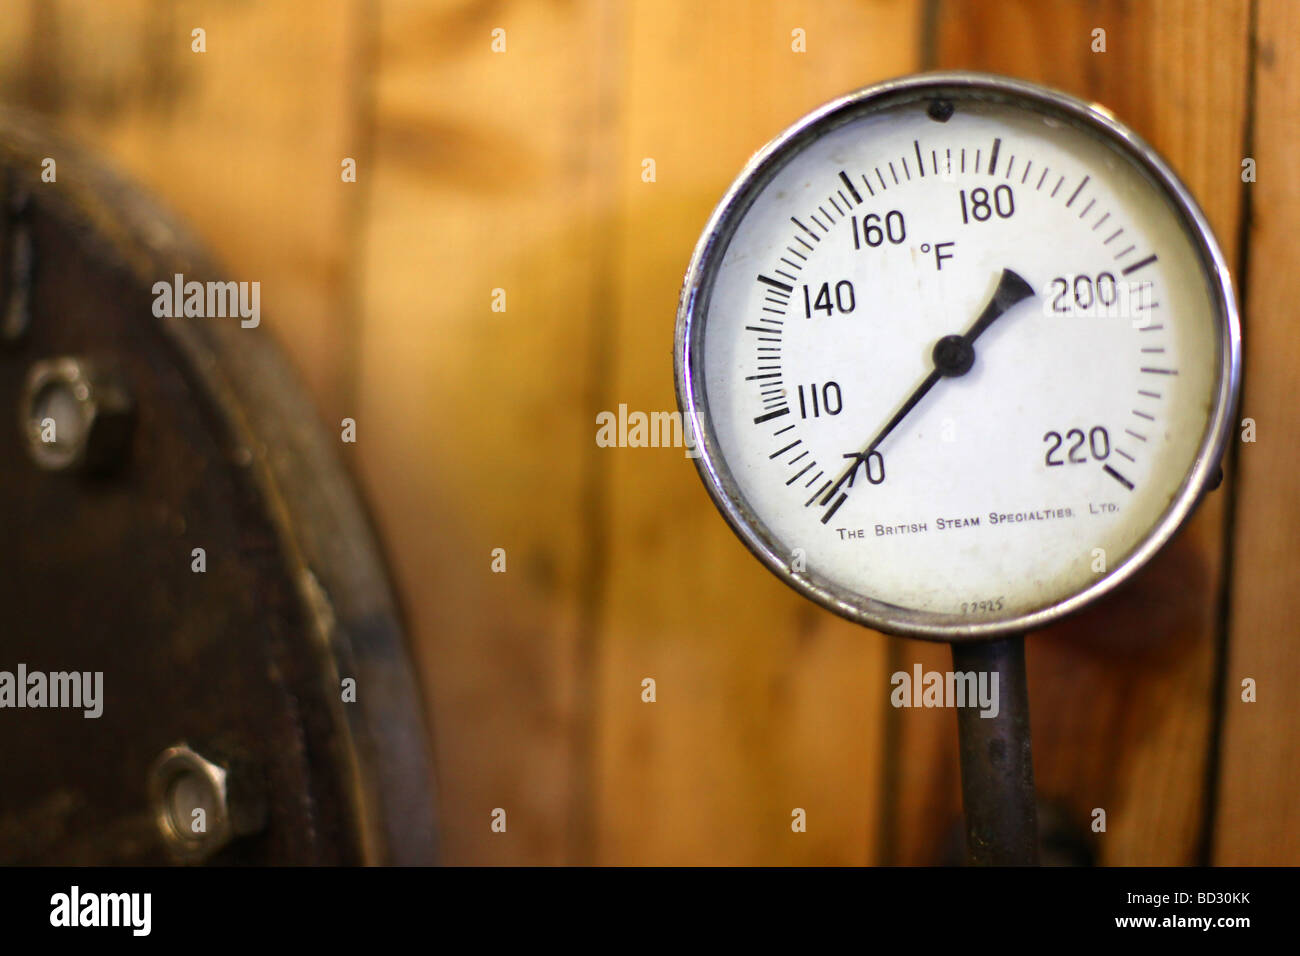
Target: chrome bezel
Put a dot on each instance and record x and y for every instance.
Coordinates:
(693, 309)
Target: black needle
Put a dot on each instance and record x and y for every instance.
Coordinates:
(953, 355)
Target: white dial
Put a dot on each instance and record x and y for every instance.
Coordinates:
(959, 353)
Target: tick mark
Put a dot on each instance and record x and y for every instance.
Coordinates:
(1118, 477)
(857, 196)
(1075, 195)
(771, 415)
(820, 491)
(805, 229)
(776, 285)
(796, 477)
(835, 507)
(1138, 265)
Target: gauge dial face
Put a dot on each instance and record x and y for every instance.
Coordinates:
(958, 354)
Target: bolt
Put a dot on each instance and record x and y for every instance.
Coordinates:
(940, 110)
(76, 414)
(200, 805)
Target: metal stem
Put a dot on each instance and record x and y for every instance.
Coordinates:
(997, 766)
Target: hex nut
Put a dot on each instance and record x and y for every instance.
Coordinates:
(77, 414)
(183, 781)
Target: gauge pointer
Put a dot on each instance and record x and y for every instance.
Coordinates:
(953, 355)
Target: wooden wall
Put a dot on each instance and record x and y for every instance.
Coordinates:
(522, 171)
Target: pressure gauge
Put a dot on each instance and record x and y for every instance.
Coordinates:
(959, 353)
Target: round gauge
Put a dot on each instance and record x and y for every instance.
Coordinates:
(959, 354)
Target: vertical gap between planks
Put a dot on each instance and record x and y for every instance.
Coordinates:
(582, 839)
(928, 49)
(1223, 622)
(887, 812)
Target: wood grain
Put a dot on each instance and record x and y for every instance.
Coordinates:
(490, 171)
(1258, 820)
(765, 703)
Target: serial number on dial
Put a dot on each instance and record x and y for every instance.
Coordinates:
(982, 607)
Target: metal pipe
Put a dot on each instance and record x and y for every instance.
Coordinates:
(997, 766)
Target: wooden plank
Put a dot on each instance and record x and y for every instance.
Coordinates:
(490, 171)
(765, 702)
(1260, 768)
(244, 141)
(1122, 696)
